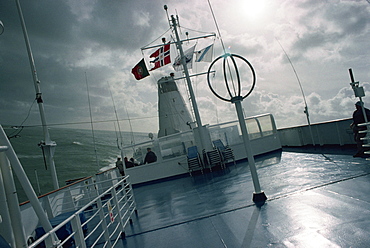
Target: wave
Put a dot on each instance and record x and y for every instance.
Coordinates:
(107, 167)
(77, 143)
(21, 156)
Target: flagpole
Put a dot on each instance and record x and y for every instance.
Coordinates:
(190, 87)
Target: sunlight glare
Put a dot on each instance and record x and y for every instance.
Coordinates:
(253, 8)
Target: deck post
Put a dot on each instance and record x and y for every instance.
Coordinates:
(77, 228)
(235, 96)
(258, 195)
(103, 223)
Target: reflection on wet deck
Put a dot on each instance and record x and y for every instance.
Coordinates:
(314, 200)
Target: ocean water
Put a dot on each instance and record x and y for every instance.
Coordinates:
(75, 154)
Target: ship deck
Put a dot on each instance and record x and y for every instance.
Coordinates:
(316, 199)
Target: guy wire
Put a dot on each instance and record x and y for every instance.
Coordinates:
(218, 30)
(222, 43)
(91, 121)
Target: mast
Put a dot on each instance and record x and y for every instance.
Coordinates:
(186, 71)
(47, 145)
(190, 87)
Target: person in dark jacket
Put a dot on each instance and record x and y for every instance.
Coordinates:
(358, 118)
(119, 165)
(128, 163)
(150, 156)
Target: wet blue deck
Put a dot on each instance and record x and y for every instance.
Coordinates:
(314, 200)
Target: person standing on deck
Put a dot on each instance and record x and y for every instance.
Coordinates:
(150, 156)
(358, 118)
(119, 165)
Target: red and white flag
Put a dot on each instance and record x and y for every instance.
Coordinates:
(162, 56)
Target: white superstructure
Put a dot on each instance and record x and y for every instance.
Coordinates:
(174, 116)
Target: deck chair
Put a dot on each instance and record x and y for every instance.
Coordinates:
(194, 161)
(226, 152)
(213, 158)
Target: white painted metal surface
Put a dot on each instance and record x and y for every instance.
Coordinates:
(92, 211)
(102, 221)
(171, 150)
(336, 132)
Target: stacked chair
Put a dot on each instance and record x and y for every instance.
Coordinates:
(194, 160)
(226, 152)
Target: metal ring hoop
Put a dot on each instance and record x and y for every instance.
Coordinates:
(237, 73)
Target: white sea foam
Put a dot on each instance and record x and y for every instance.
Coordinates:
(21, 156)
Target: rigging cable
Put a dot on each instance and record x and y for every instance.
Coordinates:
(16, 133)
(223, 46)
(129, 122)
(115, 131)
(115, 111)
(304, 98)
(218, 30)
(201, 32)
(156, 39)
(91, 121)
(87, 122)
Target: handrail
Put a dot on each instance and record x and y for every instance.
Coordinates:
(60, 189)
(128, 206)
(25, 183)
(248, 118)
(210, 126)
(366, 138)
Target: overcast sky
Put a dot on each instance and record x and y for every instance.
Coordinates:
(100, 41)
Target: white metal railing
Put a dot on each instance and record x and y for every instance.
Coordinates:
(89, 213)
(101, 221)
(230, 133)
(71, 197)
(176, 145)
(366, 139)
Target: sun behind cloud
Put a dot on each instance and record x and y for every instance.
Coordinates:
(253, 8)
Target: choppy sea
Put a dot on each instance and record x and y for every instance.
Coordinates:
(76, 154)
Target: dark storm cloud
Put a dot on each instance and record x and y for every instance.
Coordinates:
(102, 39)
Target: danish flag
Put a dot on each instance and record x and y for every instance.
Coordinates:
(162, 56)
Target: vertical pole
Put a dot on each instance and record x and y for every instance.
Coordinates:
(38, 183)
(258, 195)
(190, 87)
(79, 235)
(5, 220)
(49, 145)
(308, 120)
(103, 223)
(355, 87)
(12, 202)
(118, 209)
(186, 71)
(26, 185)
